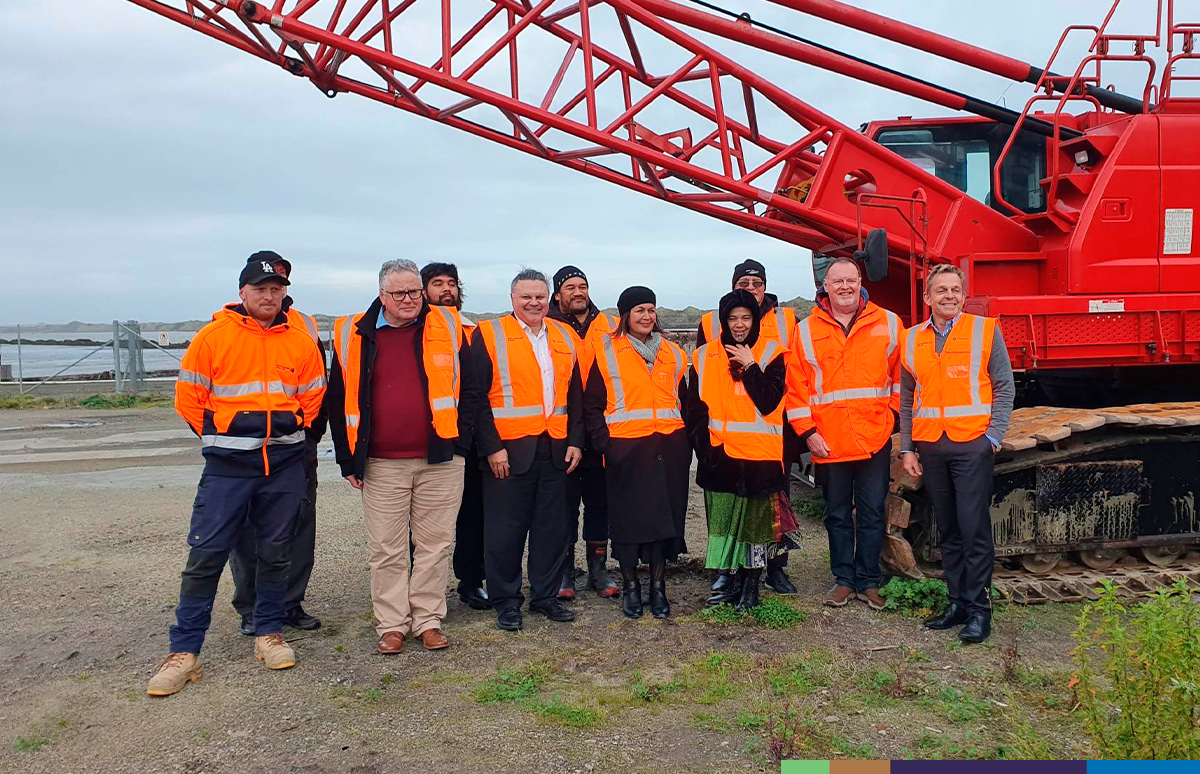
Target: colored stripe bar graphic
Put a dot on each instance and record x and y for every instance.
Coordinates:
(987, 767)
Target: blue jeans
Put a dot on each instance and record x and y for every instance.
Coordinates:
(854, 517)
(223, 504)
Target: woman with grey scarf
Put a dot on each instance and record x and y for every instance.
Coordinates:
(634, 413)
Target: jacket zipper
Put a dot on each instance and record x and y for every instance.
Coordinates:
(267, 395)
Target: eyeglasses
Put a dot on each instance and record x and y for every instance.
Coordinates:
(746, 284)
(844, 283)
(400, 295)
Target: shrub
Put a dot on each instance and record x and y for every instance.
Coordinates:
(1137, 675)
(915, 597)
(774, 613)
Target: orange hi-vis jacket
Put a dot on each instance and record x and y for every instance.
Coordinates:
(733, 420)
(641, 401)
(845, 385)
(954, 392)
(249, 392)
(304, 322)
(441, 338)
(516, 392)
(778, 324)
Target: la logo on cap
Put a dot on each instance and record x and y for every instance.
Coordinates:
(267, 268)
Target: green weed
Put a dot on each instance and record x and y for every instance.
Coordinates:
(30, 743)
(915, 597)
(774, 613)
(706, 721)
(564, 713)
(796, 676)
(511, 685)
(721, 615)
(811, 505)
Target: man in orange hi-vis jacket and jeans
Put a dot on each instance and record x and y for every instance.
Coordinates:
(843, 392)
(250, 385)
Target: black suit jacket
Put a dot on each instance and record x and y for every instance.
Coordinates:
(520, 450)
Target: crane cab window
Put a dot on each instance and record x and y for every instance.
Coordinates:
(963, 155)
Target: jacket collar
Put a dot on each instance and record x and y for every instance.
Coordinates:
(556, 314)
(824, 310)
(238, 313)
(370, 319)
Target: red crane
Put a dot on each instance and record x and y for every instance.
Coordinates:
(1072, 218)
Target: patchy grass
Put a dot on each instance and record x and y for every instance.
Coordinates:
(809, 505)
(798, 675)
(30, 743)
(653, 692)
(565, 713)
(774, 613)
(721, 615)
(512, 685)
(111, 401)
(706, 721)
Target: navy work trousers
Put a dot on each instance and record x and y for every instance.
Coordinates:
(854, 517)
(223, 503)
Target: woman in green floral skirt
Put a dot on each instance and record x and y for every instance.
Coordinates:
(734, 417)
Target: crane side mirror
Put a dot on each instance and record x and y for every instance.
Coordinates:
(874, 255)
(820, 264)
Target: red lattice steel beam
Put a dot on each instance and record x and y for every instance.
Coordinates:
(624, 140)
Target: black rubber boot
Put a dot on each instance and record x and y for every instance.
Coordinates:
(777, 579)
(722, 581)
(566, 588)
(598, 580)
(659, 605)
(749, 595)
(631, 592)
(729, 594)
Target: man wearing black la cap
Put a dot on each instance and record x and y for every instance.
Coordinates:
(572, 304)
(243, 561)
(778, 323)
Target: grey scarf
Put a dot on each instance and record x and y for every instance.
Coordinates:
(649, 350)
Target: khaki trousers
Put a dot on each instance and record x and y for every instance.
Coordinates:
(403, 498)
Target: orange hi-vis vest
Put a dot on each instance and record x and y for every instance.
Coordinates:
(777, 324)
(589, 345)
(441, 339)
(516, 392)
(954, 393)
(641, 401)
(733, 419)
(845, 385)
(304, 322)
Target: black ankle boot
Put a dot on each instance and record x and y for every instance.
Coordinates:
(953, 615)
(978, 628)
(659, 605)
(598, 580)
(777, 579)
(749, 596)
(631, 599)
(722, 582)
(729, 594)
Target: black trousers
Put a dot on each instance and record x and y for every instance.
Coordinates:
(468, 529)
(243, 561)
(528, 504)
(854, 517)
(958, 479)
(587, 485)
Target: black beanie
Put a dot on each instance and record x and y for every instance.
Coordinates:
(634, 296)
(749, 268)
(566, 273)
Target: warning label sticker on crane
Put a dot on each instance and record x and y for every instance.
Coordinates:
(1177, 232)
(1099, 305)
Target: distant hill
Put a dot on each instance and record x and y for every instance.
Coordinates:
(688, 317)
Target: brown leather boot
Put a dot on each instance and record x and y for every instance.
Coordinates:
(873, 598)
(837, 596)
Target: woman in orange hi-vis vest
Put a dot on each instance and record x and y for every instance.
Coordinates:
(632, 405)
(734, 417)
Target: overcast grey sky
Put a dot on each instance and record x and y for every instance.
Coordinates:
(141, 162)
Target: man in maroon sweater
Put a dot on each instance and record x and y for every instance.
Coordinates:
(387, 361)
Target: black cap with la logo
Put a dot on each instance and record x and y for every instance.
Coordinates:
(260, 268)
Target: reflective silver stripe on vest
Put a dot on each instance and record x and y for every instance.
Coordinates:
(810, 353)
(976, 361)
(699, 356)
(517, 413)
(799, 413)
(231, 442)
(562, 331)
(629, 416)
(760, 428)
(977, 408)
(714, 327)
(286, 389)
(295, 437)
(668, 414)
(236, 390)
(559, 411)
(456, 339)
(926, 413)
(911, 346)
(344, 352)
(974, 410)
(893, 323)
(614, 374)
(315, 384)
(441, 404)
(191, 377)
(352, 420)
(769, 351)
(310, 325)
(500, 343)
(781, 323)
(856, 393)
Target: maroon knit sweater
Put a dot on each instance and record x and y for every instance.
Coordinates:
(400, 421)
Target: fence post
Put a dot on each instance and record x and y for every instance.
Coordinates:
(20, 364)
(116, 342)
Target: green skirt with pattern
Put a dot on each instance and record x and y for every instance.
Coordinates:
(748, 531)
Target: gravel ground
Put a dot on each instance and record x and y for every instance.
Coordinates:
(93, 508)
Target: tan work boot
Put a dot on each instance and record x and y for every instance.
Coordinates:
(873, 598)
(274, 652)
(174, 673)
(837, 596)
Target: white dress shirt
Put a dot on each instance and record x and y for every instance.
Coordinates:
(541, 351)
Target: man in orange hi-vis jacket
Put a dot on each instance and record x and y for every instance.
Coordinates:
(843, 394)
(250, 385)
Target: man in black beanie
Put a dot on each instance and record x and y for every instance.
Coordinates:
(777, 322)
(573, 305)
